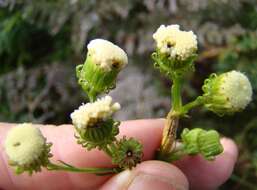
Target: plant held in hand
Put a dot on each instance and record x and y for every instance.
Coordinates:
(95, 127)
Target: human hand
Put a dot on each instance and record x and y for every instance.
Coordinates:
(190, 172)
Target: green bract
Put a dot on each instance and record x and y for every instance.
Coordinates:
(199, 141)
(170, 66)
(95, 80)
(103, 63)
(98, 136)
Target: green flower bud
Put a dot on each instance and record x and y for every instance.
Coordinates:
(227, 93)
(190, 140)
(209, 144)
(103, 63)
(27, 149)
(93, 123)
(127, 153)
(199, 141)
(176, 49)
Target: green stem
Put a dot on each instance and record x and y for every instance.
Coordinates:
(70, 168)
(197, 102)
(172, 120)
(176, 94)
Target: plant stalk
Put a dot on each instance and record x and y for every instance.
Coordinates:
(70, 168)
(172, 120)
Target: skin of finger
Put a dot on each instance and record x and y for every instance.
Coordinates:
(209, 175)
(152, 175)
(65, 148)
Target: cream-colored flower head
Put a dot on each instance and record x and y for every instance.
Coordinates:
(174, 42)
(91, 113)
(237, 89)
(227, 93)
(24, 145)
(106, 54)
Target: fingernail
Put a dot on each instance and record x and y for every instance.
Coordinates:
(136, 181)
(150, 182)
(150, 175)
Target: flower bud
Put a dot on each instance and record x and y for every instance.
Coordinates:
(190, 140)
(199, 141)
(209, 144)
(94, 124)
(27, 149)
(176, 49)
(99, 72)
(227, 93)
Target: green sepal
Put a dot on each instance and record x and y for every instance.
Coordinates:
(94, 80)
(36, 166)
(172, 66)
(98, 136)
(213, 100)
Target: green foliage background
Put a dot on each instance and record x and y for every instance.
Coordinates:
(41, 42)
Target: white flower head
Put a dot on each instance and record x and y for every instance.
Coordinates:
(24, 145)
(89, 114)
(237, 89)
(227, 93)
(106, 54)
(174, 42)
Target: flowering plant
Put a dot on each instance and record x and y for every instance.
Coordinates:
(28, 150)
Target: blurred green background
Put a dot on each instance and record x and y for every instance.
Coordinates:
(41, 42)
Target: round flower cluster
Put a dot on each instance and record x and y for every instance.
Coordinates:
(227, 93)
(106, 54)
(88, 115)
(26, 148)
(174, 42)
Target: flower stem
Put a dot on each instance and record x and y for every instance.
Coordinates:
(172, 120)
(176, 93)
(67, 167)
(168, 136)
(197, 102)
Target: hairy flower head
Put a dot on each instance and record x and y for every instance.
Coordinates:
(227, 93)
(106, 54)
(26, 148)
(176, 43)
(88, 115)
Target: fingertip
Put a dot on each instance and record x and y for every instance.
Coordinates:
(203, 174)
(147, 131)
(230, 149)
(149, 175)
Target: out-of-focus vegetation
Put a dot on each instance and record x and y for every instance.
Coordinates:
(42, 41)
